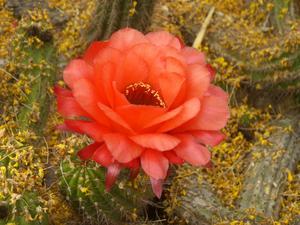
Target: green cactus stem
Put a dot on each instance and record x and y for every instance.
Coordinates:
(110, 16)
(199, 205)
(24, 209)
(83, 185)
(35, 62)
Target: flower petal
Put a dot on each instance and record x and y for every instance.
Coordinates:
(119, 98)
(173, 157)
(167, 116)
(189, 110)
(198, 81)
(113, 171)
(213, 115)
(126, 38)
(211, 71)
(107, 55)
(122, 148)
(118, 122)
(87, 152)
(173, 65)
(134, 69)
(163, 38)
(211, 138)
(76, 70)
(86, 95)
(217, 91)
(107, 87)
(154, 164)
(107, 67)
(134, 166)
(167, 80)
(103, 156)
(103, 82)
(192, 152)
(160, 142)
(92, 129)
(60, 91)
(135, 163)
(157, 186)
(68, 107)
(93, 50)
(193, 56)
(146, 51)
(139, 115)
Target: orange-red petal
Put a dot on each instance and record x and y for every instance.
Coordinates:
(146, 51)
(160, 142)
(139, 115)
(192, 152)
(116, 120)
(193, 56)
(121, 147)
(68, 107)
(167, 80)
(94, 48)
(163, 38)
(198, 81)
(133, 70)
(157, 186)
(211, 71)
(189, 110)
(213, 115)
(77, 69)
(211, 138)
(86, 95)
(113, 171)
(58, 90)
(88, 151)
(165, 117)
(92, 129)
(155, 164)
(173, 157)
(103, 156)
(126, 38)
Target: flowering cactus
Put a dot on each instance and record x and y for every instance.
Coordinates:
(146, 101)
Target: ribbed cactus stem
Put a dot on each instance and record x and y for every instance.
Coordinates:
(279, 15)
(111, 15)
(39, 65)
(266, 176)
(33, 62)
(26, 210)
(83, 185)
(199, 205)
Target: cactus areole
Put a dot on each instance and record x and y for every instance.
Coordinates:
(147, 101)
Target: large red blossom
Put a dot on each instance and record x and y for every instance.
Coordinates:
(147, 101)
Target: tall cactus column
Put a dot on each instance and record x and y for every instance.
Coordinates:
(266, 177)
(113, 15)
(32, 68)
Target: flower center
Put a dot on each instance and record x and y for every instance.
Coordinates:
(142, 94)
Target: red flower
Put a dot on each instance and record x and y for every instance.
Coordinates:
(147, 101)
